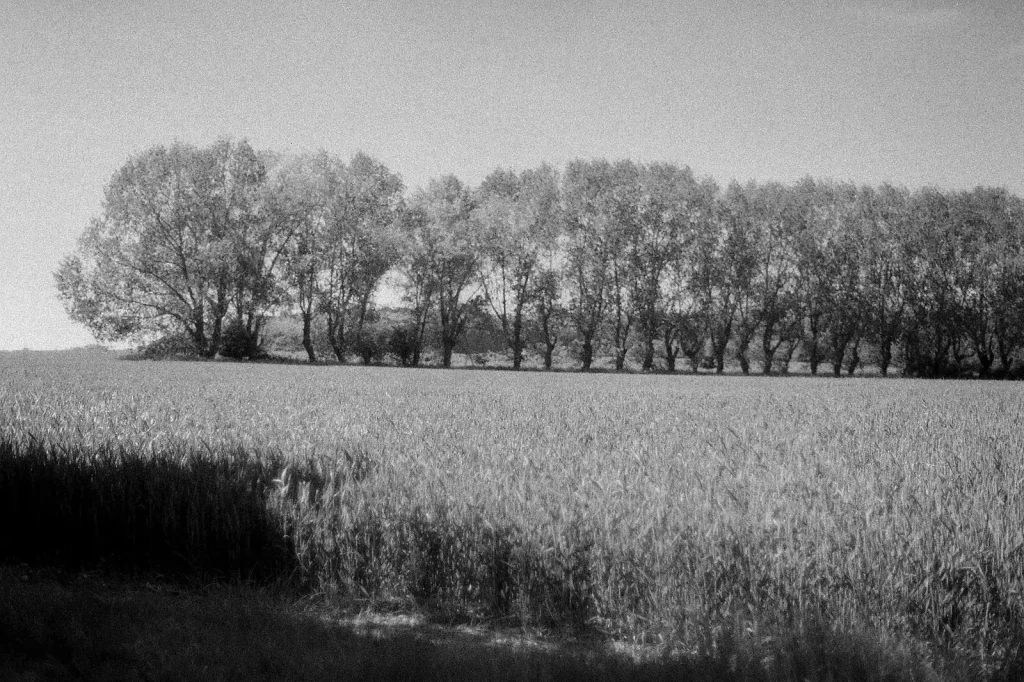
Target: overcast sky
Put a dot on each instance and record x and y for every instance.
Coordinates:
(912, 92)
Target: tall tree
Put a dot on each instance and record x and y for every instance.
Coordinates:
(743, 212)
(684, 319)
(668, 203)
(312, 180)
(448, 255)
(886, 222)
(360, 245)
(1009, 286)
(551, 314)
(683, 326)
(418, 283)
(269, 212)
(622, 206)
(589, 213)
(775, 279)
(933, 326)
(841, 249)
(185, 235)
(725, 261)
(814, 280)
(519, 217)
(982, 225)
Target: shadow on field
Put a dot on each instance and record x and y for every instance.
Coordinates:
(60, 626)
(182, 516)
(88, 528)
(79, 627)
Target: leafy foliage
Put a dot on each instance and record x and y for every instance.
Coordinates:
(630, 261)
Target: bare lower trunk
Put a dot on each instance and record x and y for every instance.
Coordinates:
(718, 353)
(339, 350)
(986, 360)
(741, 355)
(307, 336)
(648, 354)
(767, 348)
(694, 362)
(517, 341)
(885, 351)
(587, 354)
(854, 362)
(419, 335)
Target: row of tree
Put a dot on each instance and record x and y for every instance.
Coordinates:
(603, 257)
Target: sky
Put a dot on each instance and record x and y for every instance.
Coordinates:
(911, 92)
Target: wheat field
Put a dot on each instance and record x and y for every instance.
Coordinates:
(671, 512)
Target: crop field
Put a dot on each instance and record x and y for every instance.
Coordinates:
(680, 513)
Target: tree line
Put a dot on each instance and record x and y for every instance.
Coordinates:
(602, 258)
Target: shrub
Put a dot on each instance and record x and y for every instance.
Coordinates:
(174, 345)
(371, 344)
(238, 343)
(402, 344)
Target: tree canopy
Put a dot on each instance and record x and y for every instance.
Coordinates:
(636, 262)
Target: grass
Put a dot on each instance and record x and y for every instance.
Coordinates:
(61, 626)
(788, 527)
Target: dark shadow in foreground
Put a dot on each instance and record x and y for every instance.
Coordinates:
(67, 627)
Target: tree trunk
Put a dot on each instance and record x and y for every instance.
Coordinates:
(648, 354)
(986, 360)
(620, 359)
(550, 340)
(447, 348)
(787, 356)
(307, 337)
(814, 353)
(671, 354)
(885, 350)
(218, 321)
(939, 360)
(420, 334)
(517, 341)
(549, 353)
(741, 355)
(671, 350)
(339, 352)
(854, 362)
(768, 349)
(199, 329)
(338, 348)
(1005, 360)
(587, 354)
(694, 359)
(718, 347)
